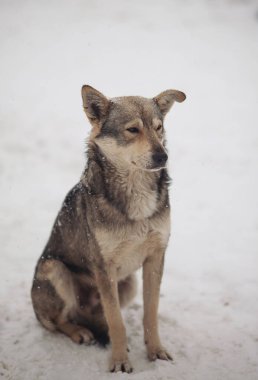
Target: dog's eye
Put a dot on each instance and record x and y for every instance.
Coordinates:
(133, 130)
(159, 128)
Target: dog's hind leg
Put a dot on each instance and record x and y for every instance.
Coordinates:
(54, 300)
(77, 333)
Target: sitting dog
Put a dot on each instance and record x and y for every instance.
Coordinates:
(114, 221)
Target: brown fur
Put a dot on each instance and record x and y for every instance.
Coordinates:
(115, 220)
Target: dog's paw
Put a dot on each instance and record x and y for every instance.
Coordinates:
(83, 335)
(122, 365)
(155, 353)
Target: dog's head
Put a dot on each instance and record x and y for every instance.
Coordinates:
(129, 130)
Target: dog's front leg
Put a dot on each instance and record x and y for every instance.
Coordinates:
(107, 285)
(152, 274)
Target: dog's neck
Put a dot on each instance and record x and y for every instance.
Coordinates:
(134, 192)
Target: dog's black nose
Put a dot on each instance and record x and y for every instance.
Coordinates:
(160, 158)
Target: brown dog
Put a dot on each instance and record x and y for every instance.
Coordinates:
(115, 220)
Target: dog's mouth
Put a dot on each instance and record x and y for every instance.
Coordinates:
(154, 169)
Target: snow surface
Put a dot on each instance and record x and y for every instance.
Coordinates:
(209, 49)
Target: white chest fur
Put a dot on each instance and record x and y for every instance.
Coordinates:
(142, 201)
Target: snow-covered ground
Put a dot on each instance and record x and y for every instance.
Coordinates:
(209, 300)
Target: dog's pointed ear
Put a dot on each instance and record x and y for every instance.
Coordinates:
(166, 99)
(95, 104)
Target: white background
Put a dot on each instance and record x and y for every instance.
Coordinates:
(208, 49)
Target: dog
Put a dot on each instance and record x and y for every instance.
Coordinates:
(114, 221)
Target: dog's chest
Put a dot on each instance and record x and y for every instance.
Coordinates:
(141, 204)
(127, 248)
(124, 248)
(140, 195)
